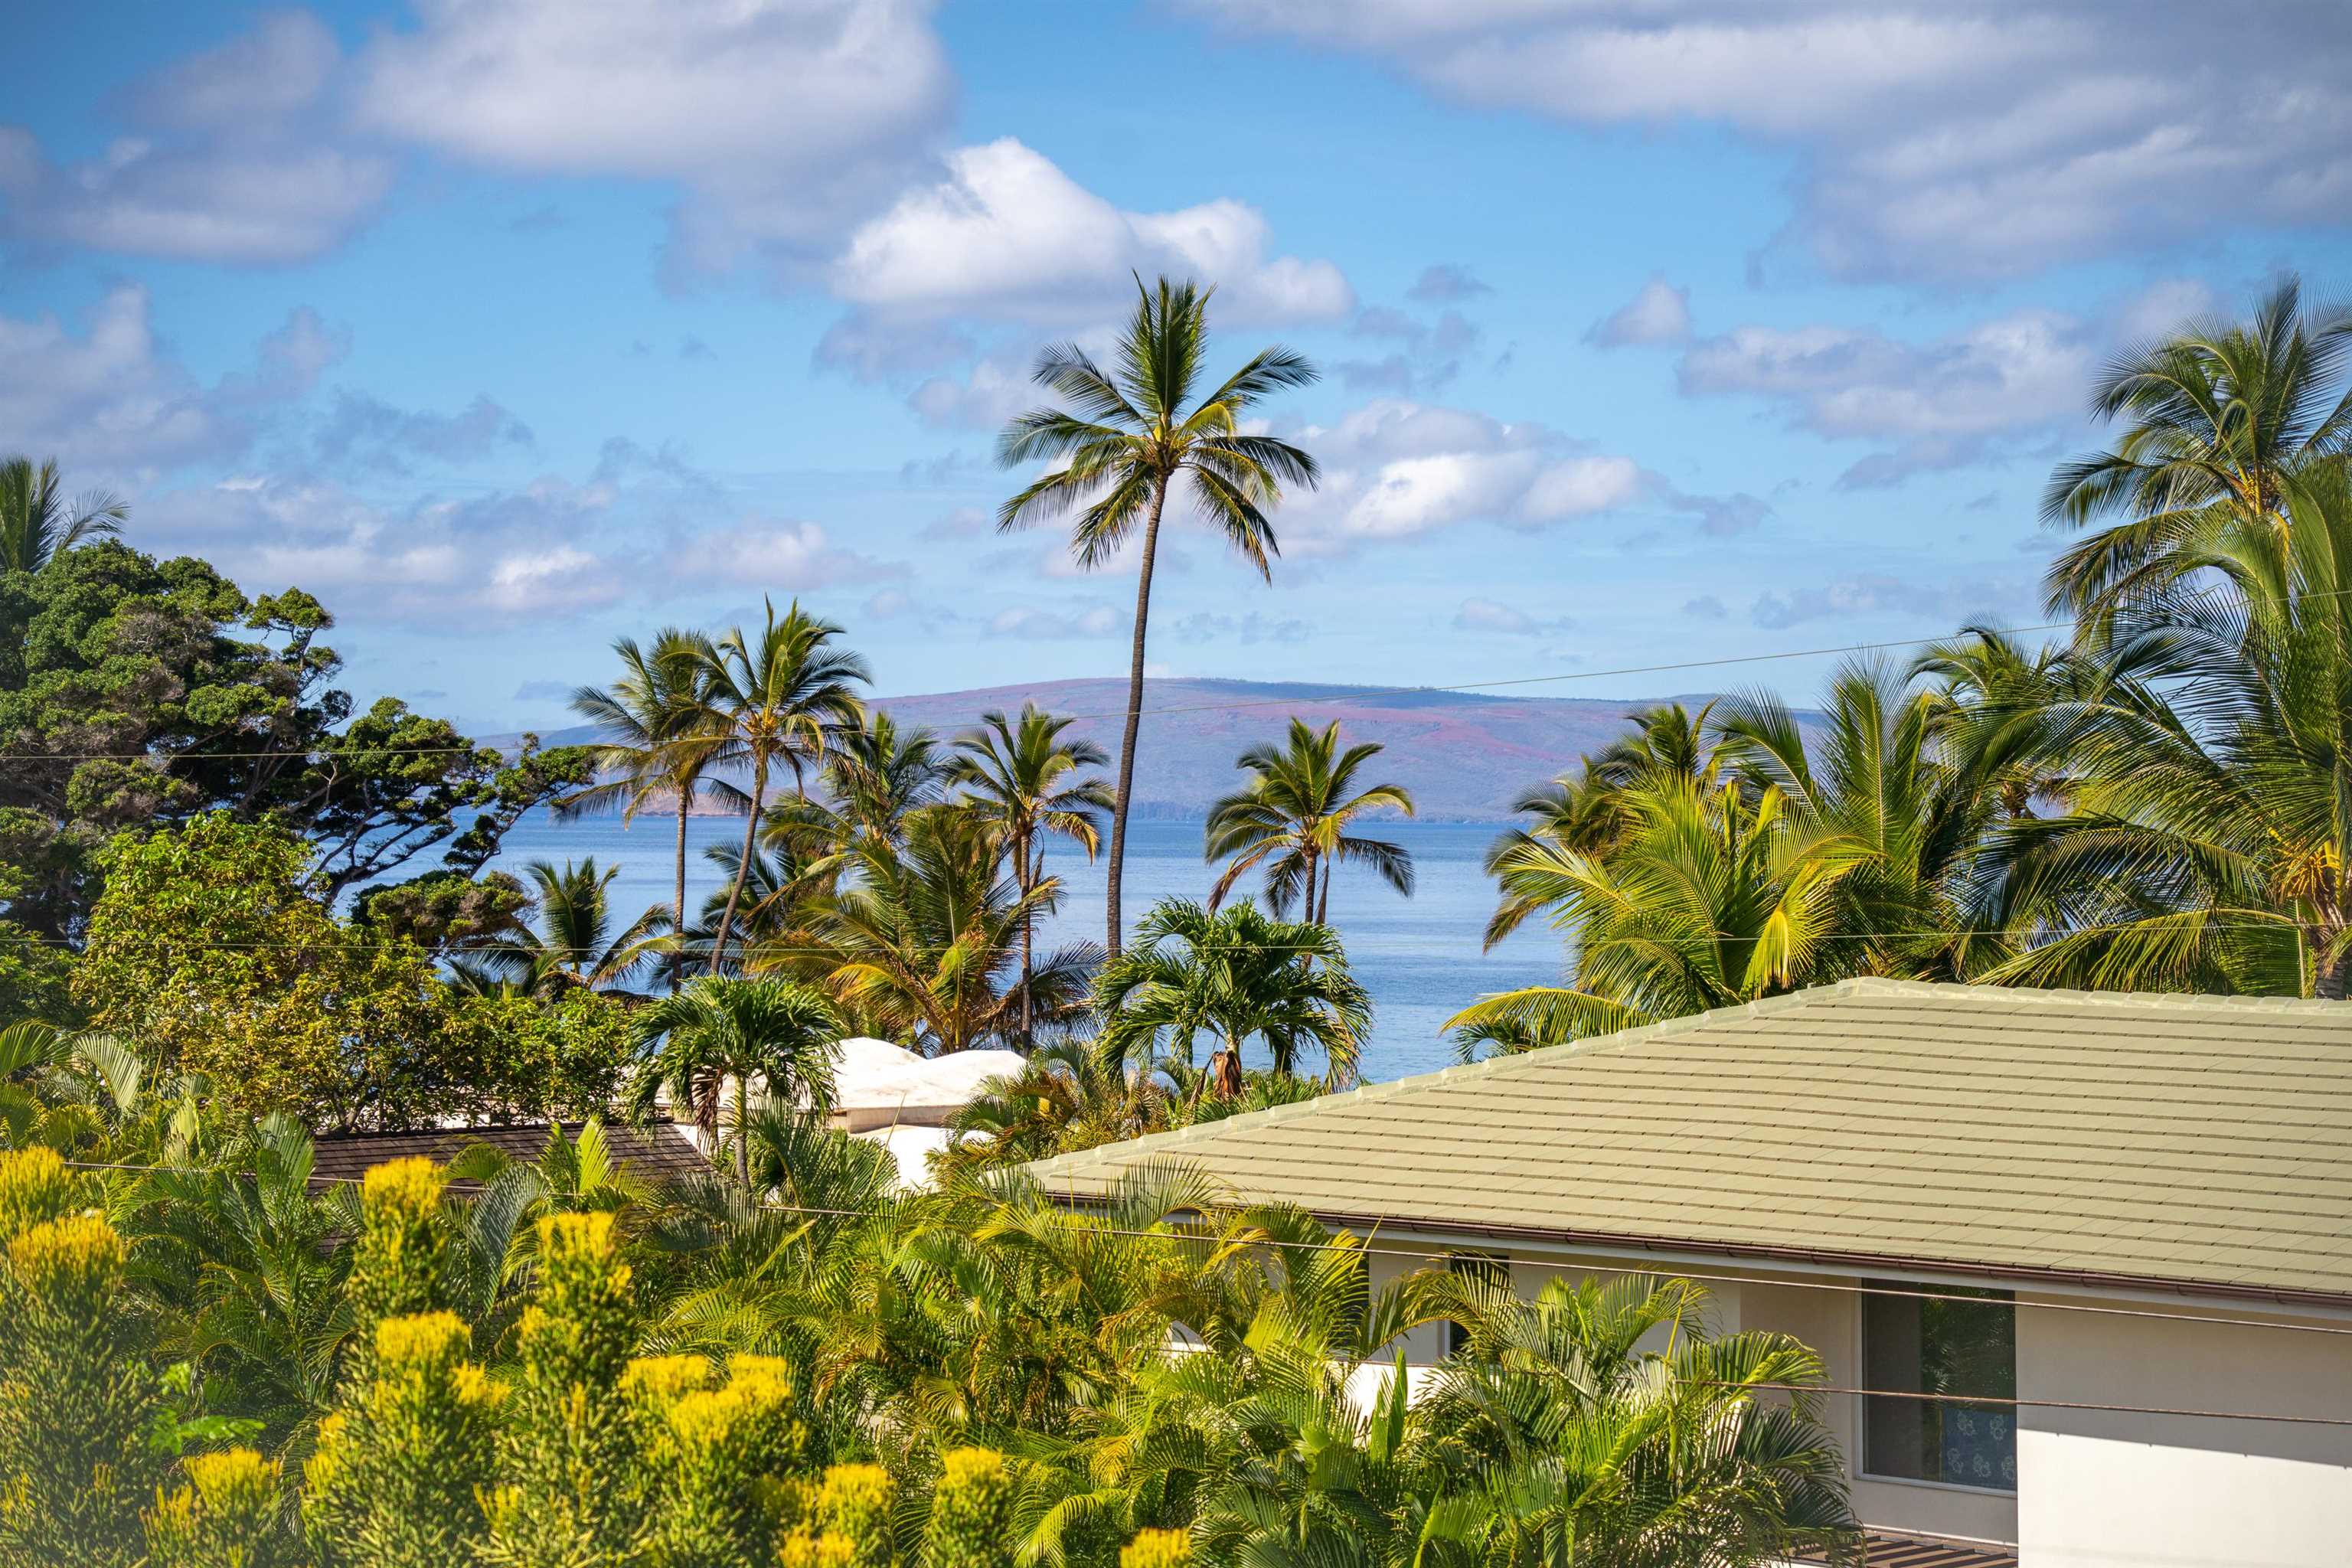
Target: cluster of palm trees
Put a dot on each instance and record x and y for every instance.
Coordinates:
(2158, 803)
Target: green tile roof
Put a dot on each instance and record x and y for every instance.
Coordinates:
(2201, 1143)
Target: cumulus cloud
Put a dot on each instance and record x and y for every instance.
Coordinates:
(107, 398)
(1394, 468)
(1939, 403)
(1876, 594)
(773, 556)
(1429, 354)
(1492, 616)
(1705, 607)
(782, 118)
(1006, 234)
(233, 159)
(361, 431)
(1956, 139)
(1038, 621)
(1660, 313)
(1444, 283)
(1207, 625)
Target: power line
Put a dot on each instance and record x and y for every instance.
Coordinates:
(1350, 694)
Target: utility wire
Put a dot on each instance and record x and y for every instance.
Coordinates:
(1350, 694)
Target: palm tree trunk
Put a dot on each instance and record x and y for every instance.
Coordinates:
(1028, 927)
(743, 865)
(742, 1130)
(1134, 713)
(1323, 911)
(678, 967)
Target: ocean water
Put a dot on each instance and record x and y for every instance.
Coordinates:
(1419, 957)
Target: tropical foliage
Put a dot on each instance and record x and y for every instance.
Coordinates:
(1292, 818)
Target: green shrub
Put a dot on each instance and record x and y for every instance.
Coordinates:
(79, 1396)
(971, 1512)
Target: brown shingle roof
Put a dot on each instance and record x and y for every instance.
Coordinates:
(2191, 1142)
(658, 1152)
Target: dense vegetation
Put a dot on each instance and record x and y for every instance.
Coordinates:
(220, 938)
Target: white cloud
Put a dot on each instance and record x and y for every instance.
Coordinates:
(1008, 234)
(1394, 469)
(1952, 139)
(107, 398)
(1940, 401)
(784, 118)
(365, 431)
(1875, 596)
(1660, 313)
(1445, 281)
(779, 556)
(1207, 625)
(1478, 615)
(235, 163)
(1040, 622)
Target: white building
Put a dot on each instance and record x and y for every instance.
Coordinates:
(2121, 1201)
(888, 1095)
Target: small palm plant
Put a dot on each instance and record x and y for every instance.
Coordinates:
(1234, 975)
(576, 944)
(1016, 775)
(718, 1030)
(1293, 817)
(1128, 438)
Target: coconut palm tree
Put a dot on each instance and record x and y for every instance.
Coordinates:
(1066, 1096)
(651, 749)
(1016, 775)
(1293, 815)
(779, 697)
(1127, 439)
(2205, 840)
(575, 944)
(926, 939)
(1235, 975)
(719, 1029)
(1583, 812)
(1716, 894)
(37, 524)
(2217, 416)
(1874, 776)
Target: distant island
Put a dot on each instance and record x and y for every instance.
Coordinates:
(1464, 755)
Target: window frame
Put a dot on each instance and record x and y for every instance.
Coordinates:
(1859, 1463)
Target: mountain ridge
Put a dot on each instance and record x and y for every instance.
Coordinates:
(1464, 756)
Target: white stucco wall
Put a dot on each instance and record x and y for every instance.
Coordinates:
(2105, 1489)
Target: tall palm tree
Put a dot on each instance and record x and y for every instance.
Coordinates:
(1128, 437)
(718, 1030)
(575, 944)
(1016, 775)
(779, 697)
(37, 524)
(877, 776)
(2217, 416)
(1235, 975)
(651, 745)
(925, 937)
(1293, 817)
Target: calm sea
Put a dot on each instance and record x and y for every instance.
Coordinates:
(1419, 957)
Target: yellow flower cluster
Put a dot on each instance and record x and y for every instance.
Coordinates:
(423, 1339)
(75, 1258)
(35, 1185)
(411, 1187)
(662, 1379)
(1157, 1549)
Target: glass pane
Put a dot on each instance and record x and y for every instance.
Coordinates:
(1960, 1354)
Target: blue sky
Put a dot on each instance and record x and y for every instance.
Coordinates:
(1653, 330)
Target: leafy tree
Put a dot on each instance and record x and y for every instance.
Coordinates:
(1235, 975)
(209, 953)
(718, 1030)
(926, 940)
(37, 524)
(563, 1059)
(575, 945)
(1131, 436)
(134, 690)
(1293, 817)
(1016, 776)
(779, 697)
(2219, 416)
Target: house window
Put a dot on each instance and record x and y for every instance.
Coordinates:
(1480, 1266)
(1962, 1354)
